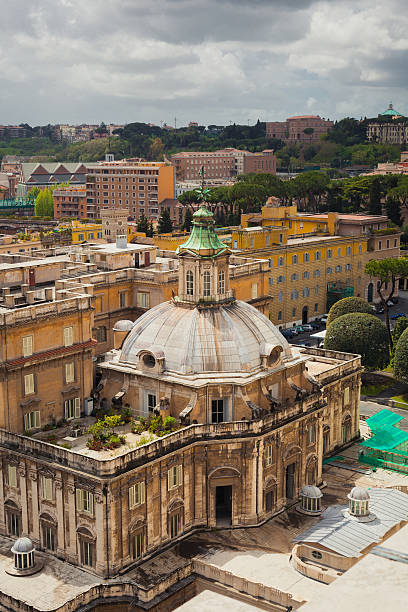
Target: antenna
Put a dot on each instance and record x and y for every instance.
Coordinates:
(175, 123)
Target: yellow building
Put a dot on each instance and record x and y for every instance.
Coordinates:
(86, 232)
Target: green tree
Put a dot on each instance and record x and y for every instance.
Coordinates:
(387, 271)
(393, 210)
(149, 232)
(44, 204)
(188, 218)
(165, 225)
(33, 193)
(346, 306)
(400, 326)
(362, 334)
(401, 358)
(142, 225)
(374, 197)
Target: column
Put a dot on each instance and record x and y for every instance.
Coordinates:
(101, 565)
(200, 485)
(35, 505)
(23, 499)
(187, 489)
(59, 502)
(71, 549)
(162, 512)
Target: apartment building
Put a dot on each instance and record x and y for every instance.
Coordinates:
(302, 129)
(137, 186)
(222, 164)
(388, 132)
(70, 201)
(48, 174)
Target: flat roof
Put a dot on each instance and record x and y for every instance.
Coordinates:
(112, 248)
(209, 600)
(35, 263)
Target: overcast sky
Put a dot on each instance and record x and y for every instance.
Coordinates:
(211, 61)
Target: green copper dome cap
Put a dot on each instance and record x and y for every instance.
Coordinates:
(391, 112)
(203, 240)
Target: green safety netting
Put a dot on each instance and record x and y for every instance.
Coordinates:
(384, 417)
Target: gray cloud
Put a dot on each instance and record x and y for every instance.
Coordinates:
(205, 60)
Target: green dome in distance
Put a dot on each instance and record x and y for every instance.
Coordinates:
(391, 112)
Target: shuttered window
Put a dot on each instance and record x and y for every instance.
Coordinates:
(12, 476)
(28, 384)
(269, 454)
(85, 501)
(72, 408)
(68, 336)
(69, 372)
(27, 346)
(174, 477)
(47, 488)
(136, 494)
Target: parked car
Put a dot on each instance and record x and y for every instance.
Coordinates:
(287, 333)
(300, 329)
(315, 324)
(398, 315)
(380, 310)
(390, 304)
(323, 320)
(307, 327)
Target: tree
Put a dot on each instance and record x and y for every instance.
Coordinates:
(374, 201)
(149, 232)
(165, 225)
(401, 358)
(33, 193)
(156, 150)
(362, 334)
(142, 225)
(393, 210)
(400, 326)
(387, 271)
(44, 204)
(346, 306)
(188, 218)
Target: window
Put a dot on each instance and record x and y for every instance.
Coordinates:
(294, 259)
(100, 333)
(388, 244)
(269, 454)
(306, 291)
(122, 299)
(339, 252)
(348, 250)
(306, 274)
(27, 346)
(217, 410)
(280, 279)
(221, 281)
(68, 336)
(306, 257)
(174, 477)
(294, 295)
(359, 280)
(311, 434)
(293, 312)
(32, 420)
(85, 501)
(72, 408)
(346, 396)
(270, 281)
(175, 522)
(269, 501)
(329, 253)
(28, 384)
(280, 315)
(338, 268)
(151, 402)
(317, 256)
(87, 553)
(316, 554)
(47, 488)
(360, 249)
(136, 495)
(13, 520)
(207, 283)
(270, 263)
(316, 273)
(69, 372)
(395, 242)
(12, 476)
(254, 290)
(143, 299)
(315, 307)
(252, 242)
(329, 270)
(281, 261)
(349, 266)
(189, 282)
(136, 545)
(280, 296)
(49, 537)
(295, 277)
(316, 289)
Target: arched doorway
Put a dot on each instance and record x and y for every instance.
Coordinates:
(370, 292)
(304, 314)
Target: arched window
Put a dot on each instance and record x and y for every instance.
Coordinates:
(294, 259)
(317, 256)
(189, 282)
(280, 296)
(207, 283)
(221, 281)
(306, 257)
(329, 253)
(316, 273)
(329, 270)
(294, 295)
(306, 291)
(281, 261)
(306, 274)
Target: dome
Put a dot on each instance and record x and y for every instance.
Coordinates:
(359, 494)
(230, 338)
(311, 491)
(22, 545)
(123, 325)
(391, 112)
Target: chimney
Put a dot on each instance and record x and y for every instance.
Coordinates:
(24, 288)
(121, 241)
(49, 294)
(30, 295)
(9, 300)
(6, 291)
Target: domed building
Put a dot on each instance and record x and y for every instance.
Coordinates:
(203, 356)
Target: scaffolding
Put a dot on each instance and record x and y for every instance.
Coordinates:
(388, 445)
(337, 291)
